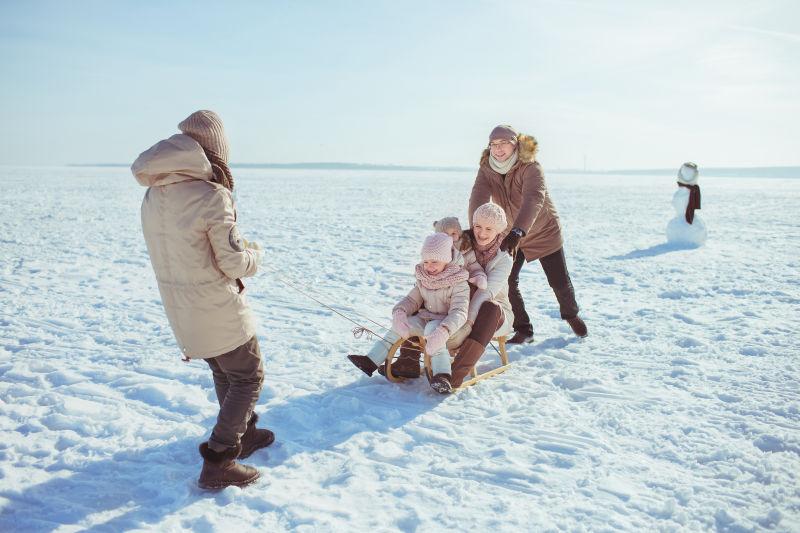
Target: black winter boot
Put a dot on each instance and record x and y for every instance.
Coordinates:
(254, 438)
(520, 337)
(364, 363)
(441, 384)
(221, 470)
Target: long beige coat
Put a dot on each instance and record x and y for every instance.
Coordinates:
(522, 193)
(190, 229)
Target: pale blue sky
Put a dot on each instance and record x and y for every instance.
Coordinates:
(630, 84)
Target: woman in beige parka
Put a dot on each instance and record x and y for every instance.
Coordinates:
(199, 258)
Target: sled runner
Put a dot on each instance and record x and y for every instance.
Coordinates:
(420, 343)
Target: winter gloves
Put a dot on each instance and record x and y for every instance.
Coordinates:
(400, 323)
(479, 280)
(511, 241)
(256, 249)
(435, 342)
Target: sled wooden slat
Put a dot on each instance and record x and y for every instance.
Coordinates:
(501, 342)
(477, 378)
(420, 344)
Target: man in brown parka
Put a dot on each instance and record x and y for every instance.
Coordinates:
(510, 176)
(199, 258)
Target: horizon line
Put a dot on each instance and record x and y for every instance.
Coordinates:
(774, 171)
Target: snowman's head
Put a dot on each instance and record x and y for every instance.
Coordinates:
(688, 174)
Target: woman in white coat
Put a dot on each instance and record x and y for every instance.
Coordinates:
(490, 313)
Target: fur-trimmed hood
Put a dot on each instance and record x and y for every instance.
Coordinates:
(527, 145)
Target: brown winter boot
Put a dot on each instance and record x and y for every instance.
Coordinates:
(254, 438)
(578, 326)
(406, 365)
(221, 470)
(363, 363)
(468, 355)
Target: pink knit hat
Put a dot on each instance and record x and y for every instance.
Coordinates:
(492, 214)
(206, 128)
(438, 247)
(503, 132)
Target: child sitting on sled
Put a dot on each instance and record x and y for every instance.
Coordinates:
(434, 309)
(407, 364)
(452, 227)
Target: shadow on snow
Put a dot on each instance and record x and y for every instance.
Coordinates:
(658, 249)
(135, 488)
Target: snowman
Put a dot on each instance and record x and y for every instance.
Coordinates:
(687, 228)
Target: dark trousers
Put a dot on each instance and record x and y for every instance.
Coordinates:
(487, 322)
(555, 268)
(238, 377)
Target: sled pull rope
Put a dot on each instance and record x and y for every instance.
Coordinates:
(358, 331)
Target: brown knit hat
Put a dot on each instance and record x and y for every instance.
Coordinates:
(503, 132)
(206, 128)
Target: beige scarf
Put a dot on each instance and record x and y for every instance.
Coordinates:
(502, 167)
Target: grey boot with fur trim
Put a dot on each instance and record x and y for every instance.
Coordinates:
(221, 470)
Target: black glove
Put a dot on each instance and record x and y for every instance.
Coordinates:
(511, 241)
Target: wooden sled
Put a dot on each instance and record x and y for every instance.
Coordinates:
(420, 344)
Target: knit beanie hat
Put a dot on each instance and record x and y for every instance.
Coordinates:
(206, 128)
(438, 247)
(688, 174)
(447, 224)
(503, 132)
(492, 214)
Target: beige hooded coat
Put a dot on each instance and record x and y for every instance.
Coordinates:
(522, 193)
(451, 302)
(189, 226)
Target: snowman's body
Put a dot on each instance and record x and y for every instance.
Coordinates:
(679, 231)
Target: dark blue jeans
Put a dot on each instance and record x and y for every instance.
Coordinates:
(555, 268)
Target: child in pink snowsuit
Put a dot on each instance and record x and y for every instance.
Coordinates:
(441, 291)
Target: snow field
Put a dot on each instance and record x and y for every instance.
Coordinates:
(680, 411)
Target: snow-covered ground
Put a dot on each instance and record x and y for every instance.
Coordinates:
(680, 411)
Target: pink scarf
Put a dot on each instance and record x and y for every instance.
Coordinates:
(451, 275)
(484, 254)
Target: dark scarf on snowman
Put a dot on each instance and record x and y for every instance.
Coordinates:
(694, 200)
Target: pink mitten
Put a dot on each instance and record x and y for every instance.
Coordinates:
(435, 342)
(479, 280)
(400, 324)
